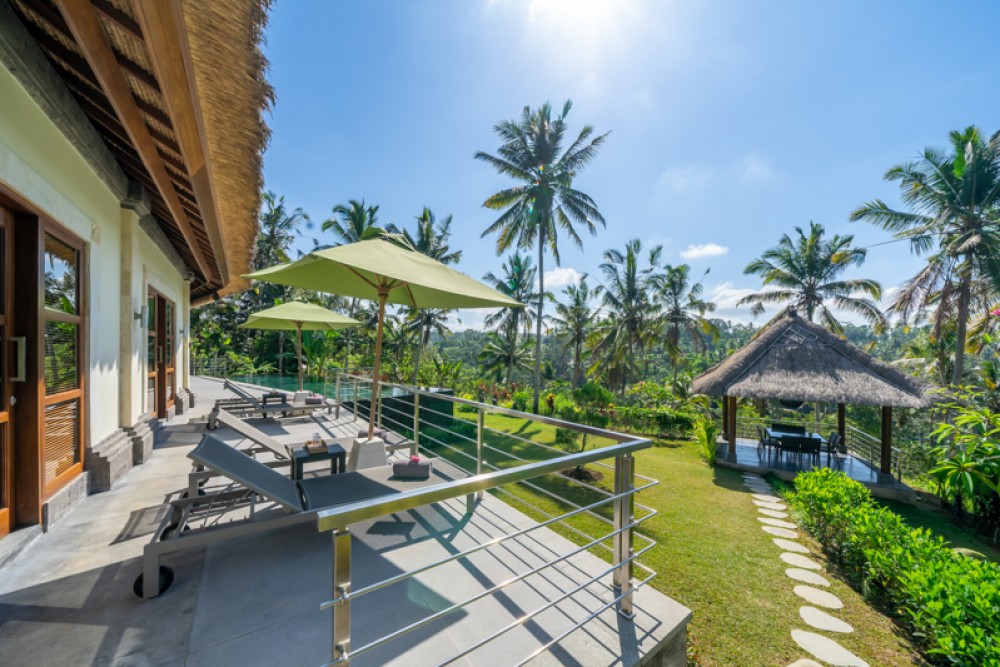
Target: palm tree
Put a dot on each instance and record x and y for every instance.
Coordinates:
(504, 352)
(431, 240)
(420, 324)
(954, 214)
(544, 201)
(806, 272)
(353, 222)
(518, 283)
(278, 229)
(626, 294)
(574, 319)
(683, 311)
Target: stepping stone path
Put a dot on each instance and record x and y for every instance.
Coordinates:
(798, 560)
(780, 532)
(773, 510)
(818, 597)
(788, 545)
(826, 649)
(806, 576)
(821, 620)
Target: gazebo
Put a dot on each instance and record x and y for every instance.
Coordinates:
(791, 359)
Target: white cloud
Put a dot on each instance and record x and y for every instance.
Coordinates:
(752, 169)
(704, 250)
(685, 179)
(561, 277)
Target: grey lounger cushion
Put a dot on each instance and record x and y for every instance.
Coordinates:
(254, 475)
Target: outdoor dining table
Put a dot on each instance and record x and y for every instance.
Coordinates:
(776, 435)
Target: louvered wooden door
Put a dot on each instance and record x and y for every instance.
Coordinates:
(63, 335)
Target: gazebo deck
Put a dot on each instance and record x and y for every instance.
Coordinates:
(787, 464)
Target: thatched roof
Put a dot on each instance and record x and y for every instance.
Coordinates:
(177, 91)
(796, 360)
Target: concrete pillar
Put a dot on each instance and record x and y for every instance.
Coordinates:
(185, 342)
(127, 371)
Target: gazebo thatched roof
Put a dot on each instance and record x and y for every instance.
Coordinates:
(793, 359)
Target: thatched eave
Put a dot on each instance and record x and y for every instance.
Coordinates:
(792, 359)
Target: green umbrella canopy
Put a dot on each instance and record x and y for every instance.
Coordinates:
(289, 316)
(296, 316)
(380, 270)
(358, 269)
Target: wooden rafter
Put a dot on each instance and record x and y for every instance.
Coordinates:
(82, 20)
(162, 25)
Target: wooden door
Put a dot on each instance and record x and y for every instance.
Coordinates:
(160, 364)
(6, 371)
(152, 356)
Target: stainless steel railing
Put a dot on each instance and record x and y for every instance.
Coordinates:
(425, 421)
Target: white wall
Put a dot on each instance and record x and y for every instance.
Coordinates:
(38, 163)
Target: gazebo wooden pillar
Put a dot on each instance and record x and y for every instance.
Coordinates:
(886, 466)
(842, 421)
(731, 410)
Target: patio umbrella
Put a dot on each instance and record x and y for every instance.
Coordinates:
(298, 316)
(382, 271)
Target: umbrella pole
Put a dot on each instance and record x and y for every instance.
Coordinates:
(383, 294)
(298, 350)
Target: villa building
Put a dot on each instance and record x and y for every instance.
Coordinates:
(131, 139)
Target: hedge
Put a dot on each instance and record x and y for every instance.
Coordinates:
(949, 602)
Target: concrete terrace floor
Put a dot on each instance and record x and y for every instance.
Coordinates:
(67, 598)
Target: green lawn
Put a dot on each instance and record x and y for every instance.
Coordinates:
(712, 555)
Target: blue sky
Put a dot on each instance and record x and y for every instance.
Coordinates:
(731, 121)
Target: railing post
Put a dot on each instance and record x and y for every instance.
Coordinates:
(416, 424)
(355, 399)
(341, 637)
(624, 515)
(480, 422)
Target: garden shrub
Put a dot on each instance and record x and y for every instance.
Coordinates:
(950, 602)
(705, 434)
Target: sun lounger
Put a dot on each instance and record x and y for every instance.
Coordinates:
(247, 404)
(265, 500)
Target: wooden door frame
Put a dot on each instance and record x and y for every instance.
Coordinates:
(28, 488)
(6, 437)
(162, 402)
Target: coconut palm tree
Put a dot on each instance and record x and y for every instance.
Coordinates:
(518, 282)
(574, 321)
(353, 222)
(432, 240)
(503, 352)
(627, 296)
(683, 311)
(806, 271)
(544, 201)
(954, 215)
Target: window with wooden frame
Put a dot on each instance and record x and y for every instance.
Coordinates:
(62, 324)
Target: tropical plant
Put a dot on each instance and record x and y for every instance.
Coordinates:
(806, 271)
(706, 434)
(627, 296)
(518, 282)
(954, 218)
(420, 324)
(574, 320)
(683, 311)
(503, 353)
(544, 201)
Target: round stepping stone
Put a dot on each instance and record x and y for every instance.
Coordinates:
(805, 662)
(766, 497)
(798, 560)
(763, 486)
(818, 597)
(770, 504)
(780, 532)
(826, 649)
(751, 475)
(806, 576)
(777, 522)
(774, 514)
(821, 620)
(788, 545)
